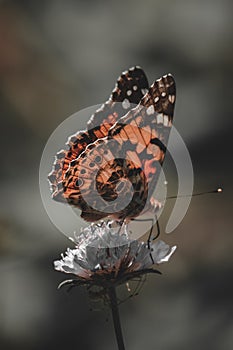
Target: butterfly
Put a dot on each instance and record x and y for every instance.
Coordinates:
(112, 168)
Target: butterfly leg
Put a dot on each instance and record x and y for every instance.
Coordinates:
(121, 223)
(150, 238)
(153, 238)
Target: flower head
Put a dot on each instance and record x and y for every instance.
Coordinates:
(104, 255)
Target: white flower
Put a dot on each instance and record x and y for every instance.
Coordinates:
(104, 254)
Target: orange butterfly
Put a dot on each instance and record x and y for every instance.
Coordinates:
(112, 168)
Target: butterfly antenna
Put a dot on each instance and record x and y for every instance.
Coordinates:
(218, 190)
(158, 229)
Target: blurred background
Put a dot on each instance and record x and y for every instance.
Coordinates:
(57, 57)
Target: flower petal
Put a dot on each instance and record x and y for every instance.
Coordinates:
(161, 252)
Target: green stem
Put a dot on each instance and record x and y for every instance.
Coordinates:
(116, 318)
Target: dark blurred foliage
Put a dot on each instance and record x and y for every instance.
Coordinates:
(57, 57)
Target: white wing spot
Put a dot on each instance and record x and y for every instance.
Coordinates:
(171, 98)
(163, 94)
(159, 118)
(129, 92)
(135, 87)
(125, 103)
(165, 120)
(150, 110)
(156, 99)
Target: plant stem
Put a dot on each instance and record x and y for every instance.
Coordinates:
(116, 318)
